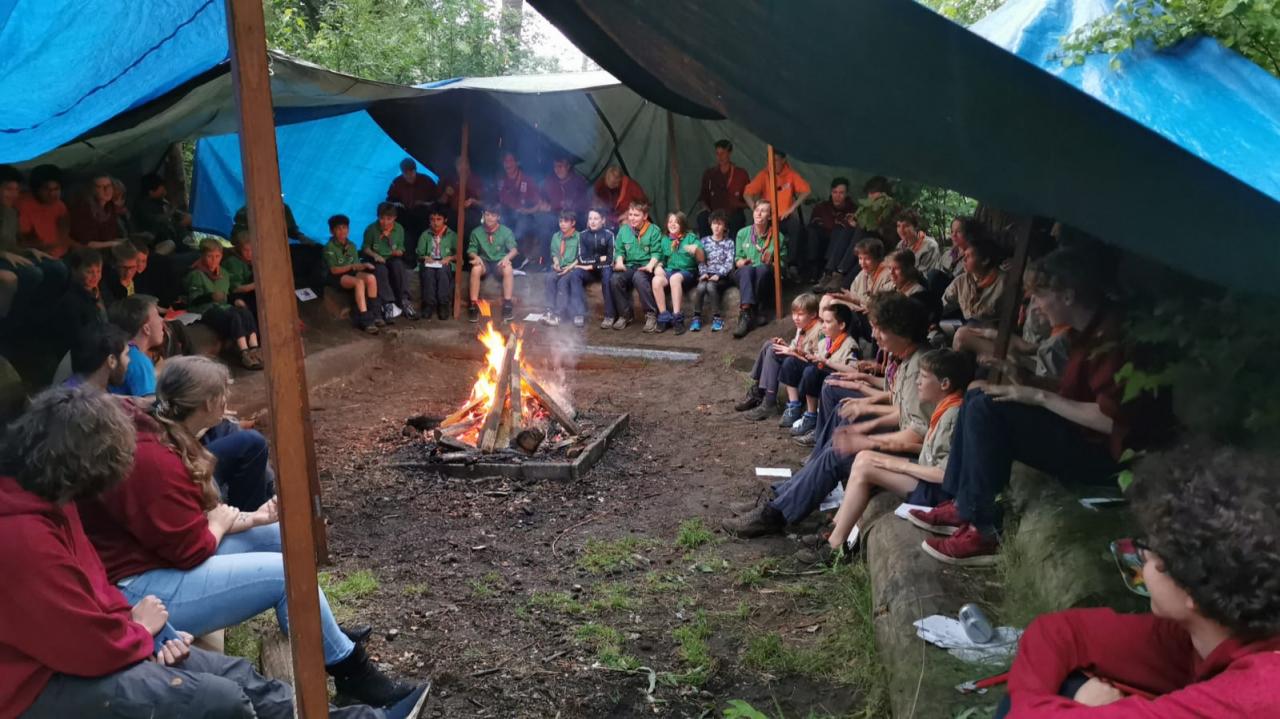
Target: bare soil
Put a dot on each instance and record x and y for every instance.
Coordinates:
(485, 585)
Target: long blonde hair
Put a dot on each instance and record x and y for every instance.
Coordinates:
(183, 387)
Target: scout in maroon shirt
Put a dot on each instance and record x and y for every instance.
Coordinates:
(721, 189)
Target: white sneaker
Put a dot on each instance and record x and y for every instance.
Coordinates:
(551, 320)
(392, 310)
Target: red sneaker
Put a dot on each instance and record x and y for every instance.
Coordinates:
(966, 548)
(943, 519)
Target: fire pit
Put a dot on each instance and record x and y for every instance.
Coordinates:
(514, 423)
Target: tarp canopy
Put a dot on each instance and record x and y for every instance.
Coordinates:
(1172, 155)
(590, 117)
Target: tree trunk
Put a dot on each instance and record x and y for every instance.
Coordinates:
(175, 176)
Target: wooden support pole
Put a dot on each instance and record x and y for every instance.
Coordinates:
(774, 234)
(1013, 289)
(673, 163)
(502, 388)
(464, 175)
(286, 374)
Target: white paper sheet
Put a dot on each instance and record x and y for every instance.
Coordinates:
(773, 472)
(306, 294)
(903, 508)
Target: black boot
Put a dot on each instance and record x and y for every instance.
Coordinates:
(357, 633)
(754, 397)
(745, 323)
(357, 678)
(757, 523)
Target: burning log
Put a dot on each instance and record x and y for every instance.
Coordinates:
(466, 409)
(562, 415)
(530, 439)
(444, 440)
(493, 418)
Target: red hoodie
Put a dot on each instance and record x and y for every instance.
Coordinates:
(58, 612)
(152, 520)
(1147, 653)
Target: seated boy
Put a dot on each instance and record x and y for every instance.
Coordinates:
(384, 245)
(238, 264)
(564, 282)
(873, 278)
(99, 357)
(637, 250)
(139, 317)
(944, 376)
(1211, 645)
(209, 294)
(753, 268)
(975, 295)
(718, 250)
(70, 645)
(491, 249)
(348, 272)
(803, 380)
(437, 257)
(761, 401)
(911, 236)
(595, 262)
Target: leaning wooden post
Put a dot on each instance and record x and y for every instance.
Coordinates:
(673, 163)
(464, 175)
(774, 235)
(286, 374)
(1013, 288)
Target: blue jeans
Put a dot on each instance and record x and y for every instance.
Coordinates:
(242, 472)
(581, 278)
(243, 579)
(828, 418)
(565, 293)
(799, 495)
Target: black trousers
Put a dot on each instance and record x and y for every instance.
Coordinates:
(838, 253)
(230, 322)
(309, 268)
(437, 286)
(621, 284)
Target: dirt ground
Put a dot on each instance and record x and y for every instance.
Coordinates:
(614, 596)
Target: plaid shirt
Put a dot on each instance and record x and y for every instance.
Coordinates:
(720, 254)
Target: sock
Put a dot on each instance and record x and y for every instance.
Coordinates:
(793, 405)
(810, 415)
(770, 398)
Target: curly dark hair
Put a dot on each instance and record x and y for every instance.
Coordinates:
(1212, 515)
(70, 443)
(901, 315)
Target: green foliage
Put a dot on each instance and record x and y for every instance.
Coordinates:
(756, 573)
(357, 585)
(738, 709)
(1251, 27)
(401, 41)
(607, 643)
(936, 206)
(486, 586)
(693, 650)
(609, 557)
(964, 12)
(693, 534)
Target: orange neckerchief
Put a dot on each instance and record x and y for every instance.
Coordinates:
(802, 331)
(915, 249)
(989, 280)
(952, 400)
(643, 229)
(834, 344)
(1059, 330)
(875, 276)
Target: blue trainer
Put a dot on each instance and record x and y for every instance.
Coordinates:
(695, 325)
(717, 323)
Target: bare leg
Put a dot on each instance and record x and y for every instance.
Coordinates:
(242, 343)
(677, 293)
(967, 339)
(356, 285)
(811, 403)
(857, 493)
(793, 393)
(253, 340)
(477, 276)
(659, 287)
(508, 283)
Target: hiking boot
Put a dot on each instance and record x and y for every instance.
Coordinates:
(473, 313)
(823, 282)
(808, 439)
(766, 496)
(250, 361)
(763, 318)
(508, 311)
(621, 323)
(943, 519)
(717, 323)
(821, 554)
(358, 633)
(442, 312)
(677, 323)
(695, 325)
(835, 282)
(379, 322)
(811, 541)
(428, 311)
(411, 706)
(650, 323)
(966, 548)
(757, 523)
(764, 411)
(370, 329)
(745, 324)
(607, 323)
(409, 311)
(390, 311)
(356, 677)
(754, 397)
(789, 416)
(806, 424)
(665, 319)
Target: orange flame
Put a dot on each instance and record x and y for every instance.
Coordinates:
(486, 382)
(484, 308)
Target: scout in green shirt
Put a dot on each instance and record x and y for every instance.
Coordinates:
(437, 256)
(753, 246)
(238, 265)
(491, 247)
(637, 245)
(564, 282)
(679, 254)
(637, 250)
(753, 267)
(348, 272)
(208, 290)
(384, 244)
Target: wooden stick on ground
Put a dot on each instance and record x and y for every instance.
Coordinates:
(489, 432)
(562, 415)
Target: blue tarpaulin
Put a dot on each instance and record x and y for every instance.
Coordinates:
(320, 175)
(67, 67)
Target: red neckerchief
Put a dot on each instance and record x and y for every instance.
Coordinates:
(989, 280)
(491, 234)
(1059, 330)
(437, 238)
(760, 248)
(563, 240)
(875, 276)
(952, 400)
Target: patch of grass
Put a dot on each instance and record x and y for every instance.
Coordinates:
(658, 583)
(560, 602)
(245, 639)
(607, 643)
(612, 597)
(691, 640)
(742, 612)
(486, 586)
(693, 533)
(610, 557)
(417, 590)
(755, 574)
(343, 592)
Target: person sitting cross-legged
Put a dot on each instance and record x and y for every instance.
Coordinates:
(890, 418)
(348, 272)
(70, 644)
(753, 268)
(776, 353)
(491, 249)
(637, 250)
(437, 257)
(209, 293)
(1210, 646)
(1077, 433)
(681, 252)
(166, 531)
(564, 284)
(383, 244)
(944, 375)
(595, 262)
(714, 272)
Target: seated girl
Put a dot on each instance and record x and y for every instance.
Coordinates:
(761, 401)
(1036, 356)
(906, 277)
(680, 253)
(165, 531)
(944, 376)
(836, 353)
(974, 296)
(209, 294)
(873, 278)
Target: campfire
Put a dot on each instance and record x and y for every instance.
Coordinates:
(508, 405)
